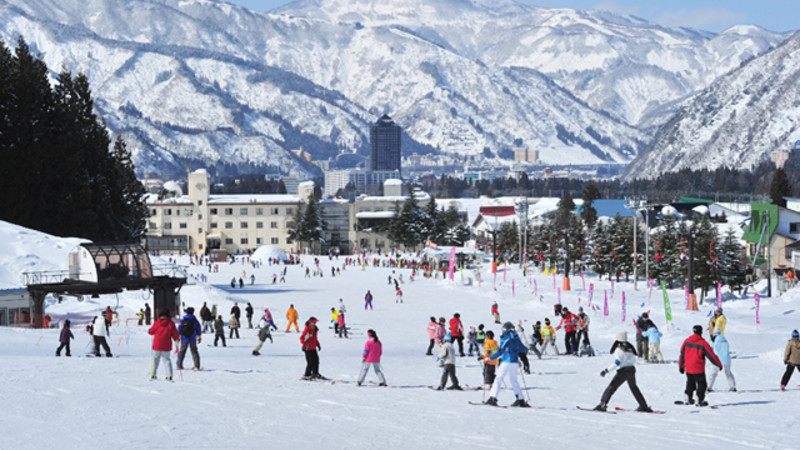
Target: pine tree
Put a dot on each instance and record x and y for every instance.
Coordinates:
(706, 274)
(599, 248)
(779, 188)
(590, 193)
(565, 209)
(129, 211)
(732, 270)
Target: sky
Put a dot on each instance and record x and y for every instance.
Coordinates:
(710, 15)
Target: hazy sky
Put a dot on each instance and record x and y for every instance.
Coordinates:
(711, 15)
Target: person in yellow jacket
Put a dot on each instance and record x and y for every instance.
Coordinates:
(717, 323)
(489, 365)
(335, 320)
(548, 337)
(291, 316)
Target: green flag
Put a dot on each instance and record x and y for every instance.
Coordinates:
(667, 306)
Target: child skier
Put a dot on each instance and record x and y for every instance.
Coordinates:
(586, 349)
(624, 364)
(219, 328)
(234, 326)
(472, 340)
(447, 361)
(495, 312)
(654, 338)
(548, 337)
(342, 326)
(399, 298)
(66, 335)
(722, 350)
(372, 357)
(264, 333)
(510, 349)
(164, 334)
(490, 347)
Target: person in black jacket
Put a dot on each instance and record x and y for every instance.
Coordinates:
(236, 312)
(642, 343)
(207, 317)
(249, 311)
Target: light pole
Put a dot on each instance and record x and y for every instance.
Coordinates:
(522, 212)
(640, 205)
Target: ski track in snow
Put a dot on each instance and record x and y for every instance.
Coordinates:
(244, 401)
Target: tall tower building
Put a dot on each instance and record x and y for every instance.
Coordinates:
(384, 145)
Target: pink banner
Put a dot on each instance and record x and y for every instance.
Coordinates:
(650, 296)
(686, 295)
(612, 289)
(452, 264)
(591, 292)
(605, 302)
(504, 273)
(559, 296)
(535, 287)
(719, 295)
(554, 279)
(624, 313)
(758, 307)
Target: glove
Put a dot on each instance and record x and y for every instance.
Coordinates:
(681, 370)
(319, 347)
(604, 372)
(199, 339)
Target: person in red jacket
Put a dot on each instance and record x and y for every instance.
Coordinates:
(570, 323)
(310, 343)
(692, 361)
(457, 332)
(164, 333)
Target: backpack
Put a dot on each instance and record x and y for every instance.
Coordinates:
(187, 328)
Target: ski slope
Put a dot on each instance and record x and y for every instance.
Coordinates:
(243, 401)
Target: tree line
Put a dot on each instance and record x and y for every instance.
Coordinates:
(60, 173)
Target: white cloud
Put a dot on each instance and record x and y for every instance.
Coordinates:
(712, 19)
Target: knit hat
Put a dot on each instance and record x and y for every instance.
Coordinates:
(795, 334)
(622, 336)
(698, 330)
(508, 326)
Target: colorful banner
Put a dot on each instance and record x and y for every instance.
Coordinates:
(452, 264)
(612, 289)
(667, 306)
(650, 296)
(535, 287)
(478, 276)
(559, 296)
(591, 293)
(686, 295)
(758, 308)
(504, 273)
(719, 295)
(605, 302)
(624, 312)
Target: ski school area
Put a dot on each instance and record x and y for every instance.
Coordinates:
(245, 401)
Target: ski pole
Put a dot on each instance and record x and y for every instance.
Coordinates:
(524, 383)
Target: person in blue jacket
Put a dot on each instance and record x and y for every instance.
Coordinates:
(722, 350)
(510, 348)
(654, 338)
(191, 333)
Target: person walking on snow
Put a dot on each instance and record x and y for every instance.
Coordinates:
(219, 331)
(264, 333)
(368, 300)
(495, 312)
(100, 332)
(447, 361)
(66, 335)
(625, 366)
(722, 350)
(692, 361)
(309, 340)
(490, 347)
(249, 312)
(432, 327)
(233, 324)
(191, 333)
(521, 333)
(510, 348)
(164, 334)
(372, 358)
(654, 338)
(791, 357)
(147, 313)
(291, 316)
(457, 332)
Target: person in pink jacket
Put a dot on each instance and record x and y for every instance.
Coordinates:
(372, 357)
(432, 326)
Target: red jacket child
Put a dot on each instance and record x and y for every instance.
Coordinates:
(163, 332)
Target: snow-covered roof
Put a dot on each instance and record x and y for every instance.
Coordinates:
(254, 198)
(375, 215)
(393, 182)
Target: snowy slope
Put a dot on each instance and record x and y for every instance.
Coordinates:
(736, 122)
(244, 401)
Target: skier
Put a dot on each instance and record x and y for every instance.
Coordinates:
(342, 326)
(310, 344)
(791, 357)
(399, 297)
(537, 338)
(66, 335)
(233, 324)
(548, 337)
(368, 300)
(457, 332)
(480, 338)
(147, 313)
(524, 357)
(372, 357)
(249, 312)
(447, 361)
(164, 334)
(654, 338)
(586, 349)
(625, 365)
(252, 281)
(490, 347)
(208, 319)
(510, 348)
(717, 322)
(291, 316)
(495, 312)
(722, 350)
(233, 283)
(191, 333)
(100, 332)
(264, 326)
(219, 328)
(441, 331)
(583, 326)
(335, 321)
(341, 307)
(692, 361)
(241, 283)
(432, 327)
(569, 321)
(472, 340)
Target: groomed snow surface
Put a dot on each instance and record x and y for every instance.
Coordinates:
(243, 401)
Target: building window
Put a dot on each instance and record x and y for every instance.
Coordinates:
(242, 224)
(228, 225)
(168, 212)
(243, 241)
(381, 209)
(259, 224)
(273, 224)
(199, 217)
(228, 211)
(362, 209)
(289, 211)
(153, 212)
(182, 225)
(178, 212)
(274, 240)
(259, 211)
(273, 211)
(199, 203)
(168, 226)
(200, 246)
(794, 228)
(243, 211)
(213, 225)
(213, 211)
(228, 241)
(259, 240)
(152, 225)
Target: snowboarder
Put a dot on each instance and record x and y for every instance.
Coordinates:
(692, 361)
(368, 300)
(100, 333)
(447, 361)
(372, 358)
(219, 331)
(510, 348)
(66, 335)
(309, 340)
(291, 316)
(625, 366)
(191, 333)
(791, 357)
(722, 350)
(164, 334)
(264, 333)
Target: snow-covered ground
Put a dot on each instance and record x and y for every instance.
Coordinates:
(243, 401)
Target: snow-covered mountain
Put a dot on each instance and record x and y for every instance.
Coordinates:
(204, 83)
(735, 122)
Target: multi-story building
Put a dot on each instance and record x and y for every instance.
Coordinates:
(384, 145)
(199, 222)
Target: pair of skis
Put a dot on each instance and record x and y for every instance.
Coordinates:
(618, 409)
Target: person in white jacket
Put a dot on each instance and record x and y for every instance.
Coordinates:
(624, 365)
(447, 361)
(722, 350)
(100, 333)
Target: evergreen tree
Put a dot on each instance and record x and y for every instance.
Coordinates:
(432, 226)
(600, 248)
(590, 193)
(732, 270)
(455, 232)
(508, 242)
(128, 211)
(667, 244)
(779, 188)
(565, 209)
(706, 274)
